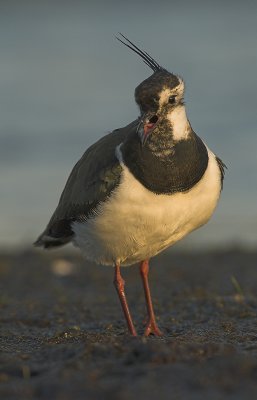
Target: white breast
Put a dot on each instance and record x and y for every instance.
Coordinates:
(135, 224)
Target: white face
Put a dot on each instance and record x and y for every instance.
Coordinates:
(168, 105)
(167, 93)
(176, 113)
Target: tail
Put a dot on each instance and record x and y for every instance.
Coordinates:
(48, 242)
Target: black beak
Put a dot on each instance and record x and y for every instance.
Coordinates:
(147, 124)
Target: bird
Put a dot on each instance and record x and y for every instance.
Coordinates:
(140, 188)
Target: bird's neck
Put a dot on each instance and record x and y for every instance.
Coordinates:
(165, 165)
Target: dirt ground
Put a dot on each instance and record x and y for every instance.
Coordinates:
(62, 333)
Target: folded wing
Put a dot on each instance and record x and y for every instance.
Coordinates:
(91, 181)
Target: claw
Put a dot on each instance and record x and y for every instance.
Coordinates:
(152, 328)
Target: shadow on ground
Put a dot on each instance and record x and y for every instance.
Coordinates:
(62, 334)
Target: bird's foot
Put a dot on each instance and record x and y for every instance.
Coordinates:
(152, 328)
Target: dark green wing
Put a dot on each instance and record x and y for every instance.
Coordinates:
(91, 181)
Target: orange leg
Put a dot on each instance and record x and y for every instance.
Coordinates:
(151, 326)
(119, 283)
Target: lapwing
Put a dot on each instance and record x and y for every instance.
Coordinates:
(140, 188)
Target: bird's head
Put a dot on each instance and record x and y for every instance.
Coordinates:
(159, 97)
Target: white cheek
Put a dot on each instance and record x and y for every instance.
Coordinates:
(164, 95)
(179, 122)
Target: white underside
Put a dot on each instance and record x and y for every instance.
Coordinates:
(136, 224)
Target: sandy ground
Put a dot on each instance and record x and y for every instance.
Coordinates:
(62, 334)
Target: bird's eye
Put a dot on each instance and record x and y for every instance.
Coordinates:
(172, 99)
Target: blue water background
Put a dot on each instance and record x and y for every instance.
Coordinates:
(65, 81)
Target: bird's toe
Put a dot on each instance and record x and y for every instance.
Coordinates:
(152, 329)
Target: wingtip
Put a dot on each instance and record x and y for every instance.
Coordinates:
(48, 242)
(39, 242)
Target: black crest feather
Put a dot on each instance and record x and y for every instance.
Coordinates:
(148, 60)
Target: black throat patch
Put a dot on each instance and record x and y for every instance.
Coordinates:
(177, 172)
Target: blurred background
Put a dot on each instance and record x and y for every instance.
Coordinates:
(66, 81)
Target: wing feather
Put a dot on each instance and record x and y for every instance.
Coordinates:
(91, 181)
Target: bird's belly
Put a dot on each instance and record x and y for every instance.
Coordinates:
(136, 224)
